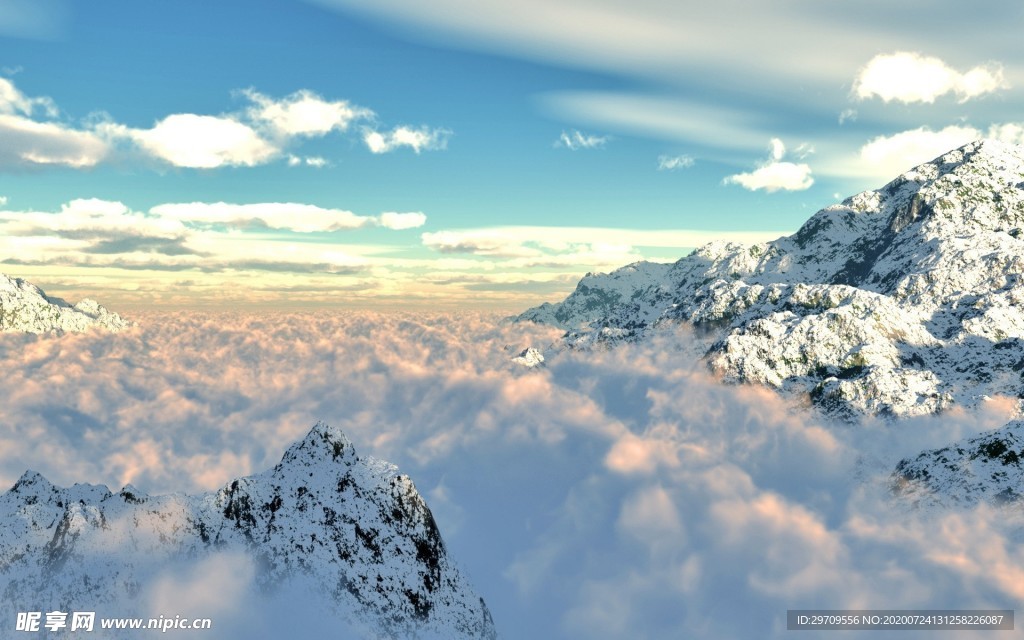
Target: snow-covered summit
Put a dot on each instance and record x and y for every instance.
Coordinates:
(25, 307)
(349, 527)
(900, 301)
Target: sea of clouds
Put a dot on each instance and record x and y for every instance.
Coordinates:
(611, 494)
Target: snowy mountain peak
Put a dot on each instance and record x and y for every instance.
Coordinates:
(25, 307)
(901, 301)
(904, 300)
(349, 527)
(323, 442)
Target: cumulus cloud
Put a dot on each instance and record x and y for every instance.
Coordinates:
(672, 163)
(648, 496)
(204, 142)
(575, 140)
(774, 174)
(418, 139)
(304, 113)
(398, 221)
(30, 142)
(263, 132)
(907, 76)
(896, 153)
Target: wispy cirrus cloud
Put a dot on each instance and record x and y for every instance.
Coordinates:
(35, 19)
(673, 163)
(575, 140)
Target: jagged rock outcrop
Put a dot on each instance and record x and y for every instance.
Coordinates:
(350, 526)
(25, 307)
(901, 301)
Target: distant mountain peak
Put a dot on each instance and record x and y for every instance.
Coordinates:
(26, 308)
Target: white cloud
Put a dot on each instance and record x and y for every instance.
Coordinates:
(651, 516)
(847, 115)
(421, 139)
(520, 241)
(204, 142)
(892, 155)
(303, 218)
(907, 76)
(310, 161)
(262, 133)
(575, 140)
(1012, 132)
(745, 497)
(87, 218)
(775, 175)
(28, 143)
(398, 221)
(671, 163)
(303, 113)
(14, 101)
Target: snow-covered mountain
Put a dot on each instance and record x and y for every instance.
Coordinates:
(897, 302)
(988, 468)
(350, 526)
(25, 307)
(900, 301)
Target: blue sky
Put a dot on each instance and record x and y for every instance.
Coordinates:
(522, 144)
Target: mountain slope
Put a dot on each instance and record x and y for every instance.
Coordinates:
(25, 307)
(350, 527)
(988, 467)
(901, 301)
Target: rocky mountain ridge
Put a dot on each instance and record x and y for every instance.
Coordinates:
(25, 307)
(901, 301)
(350, 526)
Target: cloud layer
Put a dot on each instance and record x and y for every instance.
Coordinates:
(616, 494)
